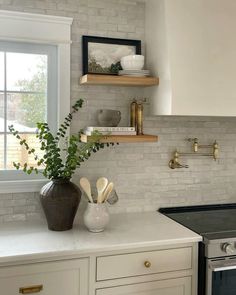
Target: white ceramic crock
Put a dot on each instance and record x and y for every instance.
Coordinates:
(96, 217)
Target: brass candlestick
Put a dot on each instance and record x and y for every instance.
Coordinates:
(133, 111)
(140, 119)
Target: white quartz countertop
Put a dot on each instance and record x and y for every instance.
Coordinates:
(32, 241)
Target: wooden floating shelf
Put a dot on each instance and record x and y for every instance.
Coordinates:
(92, 79)
(123, 138)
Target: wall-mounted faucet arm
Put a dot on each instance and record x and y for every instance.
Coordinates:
(174, 162)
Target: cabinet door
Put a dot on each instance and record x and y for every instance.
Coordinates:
(179, 286)
(49, 278)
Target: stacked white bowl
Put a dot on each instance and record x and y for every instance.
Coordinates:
(132, 62)
(132, 65)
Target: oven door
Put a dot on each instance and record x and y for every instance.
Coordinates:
(221, 276)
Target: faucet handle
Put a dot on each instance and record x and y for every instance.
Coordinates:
(195, 139)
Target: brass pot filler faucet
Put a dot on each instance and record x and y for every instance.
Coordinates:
(174, 162)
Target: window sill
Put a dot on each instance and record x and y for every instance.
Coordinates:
(21, 186)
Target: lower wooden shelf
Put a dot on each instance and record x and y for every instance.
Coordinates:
(123, 138)
(92, 79)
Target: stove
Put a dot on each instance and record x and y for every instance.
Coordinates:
(217, 253)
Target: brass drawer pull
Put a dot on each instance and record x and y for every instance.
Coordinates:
(147, 264)
(31, 289)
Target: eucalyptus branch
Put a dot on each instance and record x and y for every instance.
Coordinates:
(26, 168)
(53, 165)
(67, 121)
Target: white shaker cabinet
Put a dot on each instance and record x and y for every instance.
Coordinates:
(179, 286)
(191, 46)
(158, 271)
(69, 277)
(164, 271)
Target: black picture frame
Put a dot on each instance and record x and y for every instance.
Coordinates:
(113, 69)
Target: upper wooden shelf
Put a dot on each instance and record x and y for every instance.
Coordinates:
(123, 138)
(92, 79)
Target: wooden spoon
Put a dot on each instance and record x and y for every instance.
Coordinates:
(107, 191)
(101, 185)
(85, 184)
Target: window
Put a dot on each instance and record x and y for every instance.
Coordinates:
(28, 94)
(34, 86)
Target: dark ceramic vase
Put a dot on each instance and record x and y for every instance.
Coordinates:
(60, 199)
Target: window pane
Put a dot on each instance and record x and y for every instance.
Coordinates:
(1, 70)
(17, 153)
(28, 76)
(1, 151)
(26, 72)
(1, 112)
(25, 110)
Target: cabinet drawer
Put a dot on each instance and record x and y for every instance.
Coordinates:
(179, 286)
(53, 278)
(135, 264)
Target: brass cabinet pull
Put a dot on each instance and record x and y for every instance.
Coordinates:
(147, 264)
(31, 289)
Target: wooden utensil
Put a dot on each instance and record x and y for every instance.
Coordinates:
(101, 186)
(85, 184)
(107, 191)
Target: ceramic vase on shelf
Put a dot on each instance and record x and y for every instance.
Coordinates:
(60, 199)
(109, 118)
(96, 217)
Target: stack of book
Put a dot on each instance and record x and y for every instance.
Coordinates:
(111, 130)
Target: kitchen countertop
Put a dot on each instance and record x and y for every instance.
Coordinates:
(33, 241)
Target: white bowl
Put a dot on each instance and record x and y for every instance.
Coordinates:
(132, 62)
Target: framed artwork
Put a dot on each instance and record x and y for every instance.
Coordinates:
(102, 55)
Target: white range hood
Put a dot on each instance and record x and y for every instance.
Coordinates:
(191, 46)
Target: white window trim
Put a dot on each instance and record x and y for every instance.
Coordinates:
(52, 30)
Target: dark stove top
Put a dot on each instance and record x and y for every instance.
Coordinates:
(211, 221)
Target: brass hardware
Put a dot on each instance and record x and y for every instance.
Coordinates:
(195, 144)
(147, 264)
(215, 150)
(174, 163)
(205, 146)
(31, 289)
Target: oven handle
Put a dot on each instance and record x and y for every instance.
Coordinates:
(215, 269)
(227, 265)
